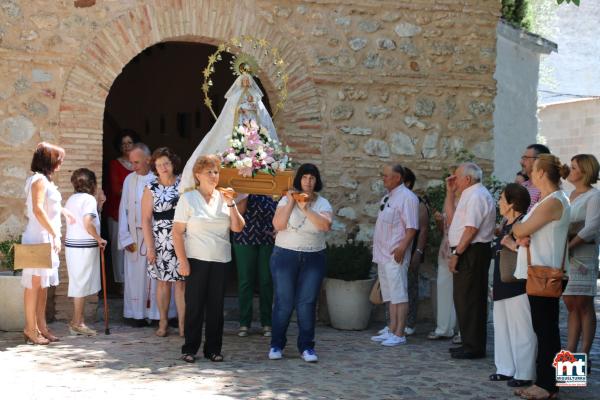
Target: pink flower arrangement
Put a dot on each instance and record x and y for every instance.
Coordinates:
(252, 150)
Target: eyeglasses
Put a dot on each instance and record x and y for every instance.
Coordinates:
(165, 164)
(526, 157)
(385, 200)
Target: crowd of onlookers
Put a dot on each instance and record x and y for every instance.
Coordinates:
(541, 226)
(170, 249)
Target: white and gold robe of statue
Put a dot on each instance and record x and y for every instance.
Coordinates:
(140, 289)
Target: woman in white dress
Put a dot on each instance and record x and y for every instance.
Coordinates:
(43, 210)
(584, 234)
(82, 246)
(544, 230)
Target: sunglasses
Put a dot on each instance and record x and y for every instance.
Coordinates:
(385, 200)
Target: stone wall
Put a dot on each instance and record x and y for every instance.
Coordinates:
(571, 127)
(371, 82)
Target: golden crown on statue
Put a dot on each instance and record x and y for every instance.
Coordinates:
(245, 63)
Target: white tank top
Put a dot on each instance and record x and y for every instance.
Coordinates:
(548, 244)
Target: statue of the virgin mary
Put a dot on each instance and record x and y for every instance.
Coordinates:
(243, 105)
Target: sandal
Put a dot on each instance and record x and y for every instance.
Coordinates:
(188, 358)
(48, 335)
(215, 357)
(518, 383)
(499, 377)
(35, 339)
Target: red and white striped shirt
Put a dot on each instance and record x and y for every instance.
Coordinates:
(534, 193)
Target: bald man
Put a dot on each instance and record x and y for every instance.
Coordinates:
(140, 290)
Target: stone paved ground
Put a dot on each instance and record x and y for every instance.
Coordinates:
(134, 363)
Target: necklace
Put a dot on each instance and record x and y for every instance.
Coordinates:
(295, 228)
(300, 225)
(126, 163)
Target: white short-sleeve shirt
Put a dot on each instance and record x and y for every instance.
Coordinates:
(476, 209)
(399, 211)
(80, 205)
(300, 234)
(207, 226)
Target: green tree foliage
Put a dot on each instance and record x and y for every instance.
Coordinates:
(576, 2)
(435, 198)
(517, 12)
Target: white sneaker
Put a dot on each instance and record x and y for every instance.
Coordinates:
(385, 329)
(409, 331)
(309, 356)
(243, 332)
(394, 340)
(275, 354)
(382, 337)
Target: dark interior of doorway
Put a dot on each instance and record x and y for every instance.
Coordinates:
(158, 95)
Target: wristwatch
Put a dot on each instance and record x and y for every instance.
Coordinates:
(455, 253)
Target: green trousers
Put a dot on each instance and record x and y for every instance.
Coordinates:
(253, 260)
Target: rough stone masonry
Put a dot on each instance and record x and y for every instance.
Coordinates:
(371, 81)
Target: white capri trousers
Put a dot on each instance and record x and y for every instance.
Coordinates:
(515, 343)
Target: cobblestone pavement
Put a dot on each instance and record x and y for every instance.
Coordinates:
(133, 362)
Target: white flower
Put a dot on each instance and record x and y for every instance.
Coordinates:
(231, 157)
(238, 164)
(247, 162)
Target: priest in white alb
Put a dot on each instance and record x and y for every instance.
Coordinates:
(139, 289)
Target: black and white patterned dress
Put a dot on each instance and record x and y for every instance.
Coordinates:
(165, 201)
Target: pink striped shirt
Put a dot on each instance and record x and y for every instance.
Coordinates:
(399, 212)
(534, 193)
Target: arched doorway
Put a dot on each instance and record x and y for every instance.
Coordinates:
(158, 95)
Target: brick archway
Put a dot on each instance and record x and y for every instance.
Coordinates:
(206, 21)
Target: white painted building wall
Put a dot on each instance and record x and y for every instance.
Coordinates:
(515, 114)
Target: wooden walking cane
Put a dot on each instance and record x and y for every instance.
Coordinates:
(102, 264)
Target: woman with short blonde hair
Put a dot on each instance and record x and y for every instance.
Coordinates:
(203, 220)
(584, 235)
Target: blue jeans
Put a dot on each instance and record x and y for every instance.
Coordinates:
(297, 278)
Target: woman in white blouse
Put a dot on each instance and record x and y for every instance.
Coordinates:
(298, 261)
(203, 220)
(544, 230)
(584, 236)
(43, 210)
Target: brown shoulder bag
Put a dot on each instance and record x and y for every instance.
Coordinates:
(545, 281)
(375, 295)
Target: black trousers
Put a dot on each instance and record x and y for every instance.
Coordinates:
(544, 317)
(470, 296)
(204, 300)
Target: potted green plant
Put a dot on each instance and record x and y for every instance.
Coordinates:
(11, 291)
(348, 285)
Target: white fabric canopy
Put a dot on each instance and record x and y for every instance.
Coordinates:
(216, 140)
